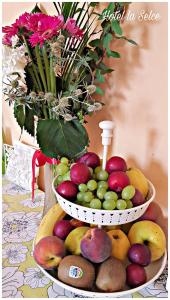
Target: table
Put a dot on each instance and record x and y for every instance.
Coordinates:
(21, 276)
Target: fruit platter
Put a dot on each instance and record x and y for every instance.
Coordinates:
(102, 238)
(111, 261)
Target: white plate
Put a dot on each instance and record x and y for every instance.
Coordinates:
(153, 271)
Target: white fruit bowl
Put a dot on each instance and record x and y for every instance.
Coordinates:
(153, 271)
(101, 216)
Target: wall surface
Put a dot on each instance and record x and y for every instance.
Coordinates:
(135, 95)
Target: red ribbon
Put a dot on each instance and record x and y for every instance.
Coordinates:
(42, 159)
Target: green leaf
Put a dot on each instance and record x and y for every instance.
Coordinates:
(93, 55)
(126, 39)
(104, 69)
(36, 9)
(29, 120)
(99, 91)
(111, 53)
(59, 138)
(19, 115)
(67, 7)
(95, 43)
(99, 76)
(116, 27)
(106, 40)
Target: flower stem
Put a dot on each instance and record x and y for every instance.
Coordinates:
(30, 70)
(33, 65)
(40, 66)
(47, 67)
(52, 76)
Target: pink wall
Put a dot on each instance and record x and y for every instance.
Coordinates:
(135, 95)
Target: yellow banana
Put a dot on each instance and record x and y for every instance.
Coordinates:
(56, 213)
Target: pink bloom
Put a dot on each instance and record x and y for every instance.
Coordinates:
(72, 28)
(6, 40)
(44, 28)
(23, 20)
(9, 31)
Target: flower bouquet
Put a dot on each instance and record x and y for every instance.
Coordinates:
(52, 68)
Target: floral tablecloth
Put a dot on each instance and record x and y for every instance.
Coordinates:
(21, 277)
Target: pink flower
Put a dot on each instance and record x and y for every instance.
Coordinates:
(72, 28)
(9, 31)
(44, 28)
(23, 20)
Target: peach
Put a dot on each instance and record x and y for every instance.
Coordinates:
(49, 251)
(96, 245)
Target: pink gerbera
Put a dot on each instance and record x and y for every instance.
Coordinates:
(44, 28)
(72, 28)
(9, 31)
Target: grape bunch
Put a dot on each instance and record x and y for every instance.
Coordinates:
(87, 184)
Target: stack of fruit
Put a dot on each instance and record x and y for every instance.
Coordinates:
(91, 258)
(86, 184)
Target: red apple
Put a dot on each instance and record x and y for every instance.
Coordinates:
(139, 254)
(135, 275)
(67, 189)
(151, 213)
(118, 180)
(116, 163)
(91, 159)
(62, 228)
(80, 173)
(138, 198)
(48, 252)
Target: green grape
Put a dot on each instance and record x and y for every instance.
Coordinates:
(92, 185)
(121, 204)
(100, 193)
(129, 204)
(61, 169)
(109, 204)
(80, 196)
(88, 196)
(82, 187)
(103, 184)
(102, 175)
(111, 196)
(86, 204)
(66, 176)
(91, 171)
(128, 192)
(97, 169)
(64, 160)
(59, 179)
(95, 203)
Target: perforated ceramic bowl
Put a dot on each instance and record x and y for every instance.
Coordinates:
(104, 217)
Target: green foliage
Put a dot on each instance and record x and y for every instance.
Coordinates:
(59, 138)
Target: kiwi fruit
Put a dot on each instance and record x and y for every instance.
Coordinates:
(111, 275)
(76, 271)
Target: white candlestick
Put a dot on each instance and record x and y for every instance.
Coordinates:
(107, 135)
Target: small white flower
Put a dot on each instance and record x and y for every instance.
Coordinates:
(35, 278)
(98, 106)
(14, 40)
(12, 279)
(15, 253)
(14, 60)
(91, 108)
(68, 117)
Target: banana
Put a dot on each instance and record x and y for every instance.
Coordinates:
(138, 180)
(56, 213)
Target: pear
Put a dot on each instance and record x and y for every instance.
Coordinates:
(138, 180)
